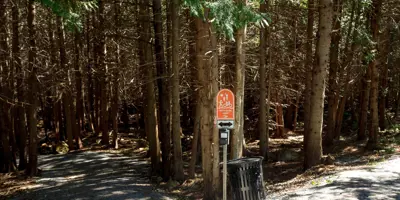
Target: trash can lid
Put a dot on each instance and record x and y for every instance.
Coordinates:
(241, 161)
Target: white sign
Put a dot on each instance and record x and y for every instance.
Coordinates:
(228, 124)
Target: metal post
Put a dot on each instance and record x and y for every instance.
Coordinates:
(224, 171)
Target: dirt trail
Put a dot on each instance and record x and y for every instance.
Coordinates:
(378, 181)
(91, 175)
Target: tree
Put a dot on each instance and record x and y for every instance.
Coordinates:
(115, 83)
(308, 67)
(333, 96)
(375, 25)
(32, 91)
(6, 130)
(78, 82)
(103, 76)
(176, 114)
(314, 142)
(163, 93)
(66, 94)
(146, 61)
(240, 71)
(20, 123)
(263, 128)
(208, 90)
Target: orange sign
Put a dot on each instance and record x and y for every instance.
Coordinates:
(225, 105)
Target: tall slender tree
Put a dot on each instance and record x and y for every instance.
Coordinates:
(373, 68)
(176, 114)
(32, 91)
(163, 89)
(308, 66)
(20, 123)
(314, 140)
(240, 71)
(102, 76)
(146, 61)
(333, 96)
(263, 93)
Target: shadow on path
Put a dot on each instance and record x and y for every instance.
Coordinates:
(92, 175)
(376, 182)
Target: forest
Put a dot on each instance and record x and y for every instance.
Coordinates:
(79, 74)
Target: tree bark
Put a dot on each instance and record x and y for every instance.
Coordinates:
(78, 82)
(365, 88)
(32, 92)
(66, 95)
(333, 92)
(195, 105)
(4, 66)
(207, 92)
(240, 71)
(90, 85)
(150, 105)
(384, 89)
(66, 101)
(20, 123)
(308, 66)
(163, 93)
(105, 140)
(115, 83)
(373, 126)
(262, 121)
(176, 122)
(314, 142)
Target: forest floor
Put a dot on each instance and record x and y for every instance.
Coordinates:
(97, 172)
(91, 175)
(284, 174)
(380, 181)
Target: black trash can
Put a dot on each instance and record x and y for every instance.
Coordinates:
(246, 178)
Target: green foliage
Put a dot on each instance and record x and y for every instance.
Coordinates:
(70, 10)
(226, 16)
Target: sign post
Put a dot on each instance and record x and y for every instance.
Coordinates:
(225, 122)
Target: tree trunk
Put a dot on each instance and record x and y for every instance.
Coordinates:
(195, 141)
(314, 142)
(75, 124)
(213, 90)
(262, 120)
(78, 83)
(105, 140)
(90, 85)
(373, 129)
(296, 111)
(208, 89)
(195, 105)
(240, 71)
(289, 115)
(163, 93)
(115, 83)
(66, 98)
(4, 68)
(279, 117)
(32, 91)
(352, 34)
(150, 105)
(384, 89)
(333, 92)
(365, 87)
(66, 93)
(176, 122)
(20, 123)
(308, 67)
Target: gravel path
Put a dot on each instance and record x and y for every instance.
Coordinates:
(92, 175)
(380, 181)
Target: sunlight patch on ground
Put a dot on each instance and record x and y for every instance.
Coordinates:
(29, 187)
